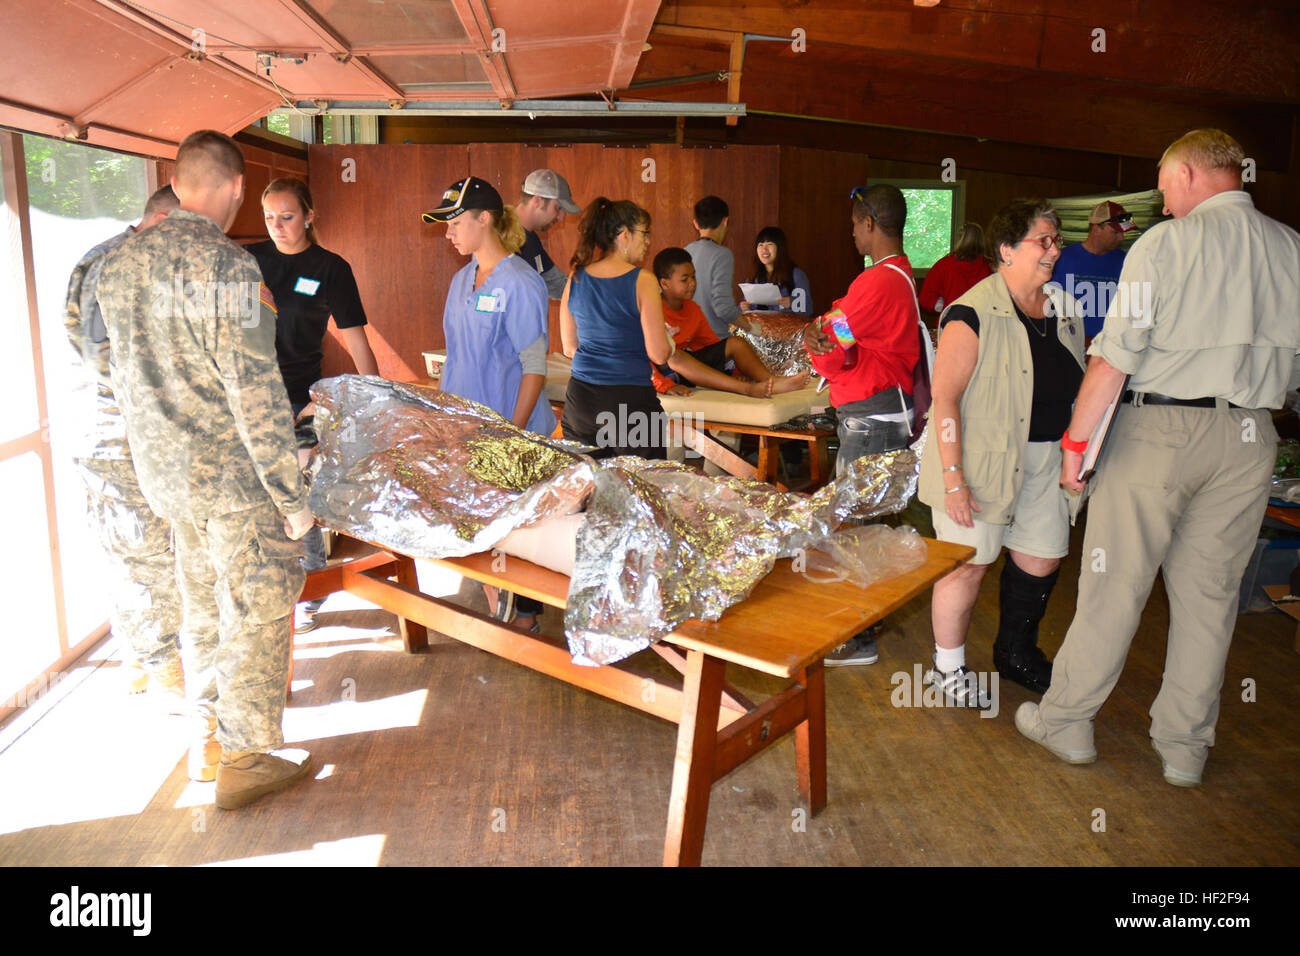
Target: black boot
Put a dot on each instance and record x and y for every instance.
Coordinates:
(1022, 601)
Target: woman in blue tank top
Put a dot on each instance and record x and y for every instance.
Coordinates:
(612, 326)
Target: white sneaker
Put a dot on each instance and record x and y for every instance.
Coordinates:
(960, 686)
(1030, 724)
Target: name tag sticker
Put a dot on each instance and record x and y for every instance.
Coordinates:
(306, 286)
(485, 303)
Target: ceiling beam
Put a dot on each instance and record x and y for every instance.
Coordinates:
(333, 43)
(477, 23)
(106, 9)
(1010, 105)
(1244, 49)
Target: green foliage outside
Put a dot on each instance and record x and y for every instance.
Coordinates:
(928, 235)
(76, 181)
(278, 123)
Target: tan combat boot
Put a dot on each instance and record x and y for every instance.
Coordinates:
(205, 753)
(244, 776)
(170, 678)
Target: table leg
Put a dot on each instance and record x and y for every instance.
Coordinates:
(697, 738)
(769, 451)
(818, 462)
(415, 637)
(810, 740)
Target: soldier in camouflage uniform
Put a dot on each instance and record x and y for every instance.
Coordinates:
(192, 336)
(146, 611)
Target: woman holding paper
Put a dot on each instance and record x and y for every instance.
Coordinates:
(1006, 372)
(773, 265)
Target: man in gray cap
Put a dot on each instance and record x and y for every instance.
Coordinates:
(543, 202)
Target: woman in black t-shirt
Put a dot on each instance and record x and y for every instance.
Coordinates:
(310, 285)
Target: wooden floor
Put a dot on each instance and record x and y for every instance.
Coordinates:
(455, 757)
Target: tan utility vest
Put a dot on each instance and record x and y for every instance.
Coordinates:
(995, 405)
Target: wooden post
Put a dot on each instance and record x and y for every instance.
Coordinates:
(734, 68)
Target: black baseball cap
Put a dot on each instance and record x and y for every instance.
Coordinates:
(463, 195)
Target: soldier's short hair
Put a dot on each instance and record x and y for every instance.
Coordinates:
(163, 201)
(1206, 149)
(207, 159)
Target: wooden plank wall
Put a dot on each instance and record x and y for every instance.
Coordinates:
(816, 216)
(403, 266)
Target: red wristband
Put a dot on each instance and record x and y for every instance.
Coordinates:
(1078, 447)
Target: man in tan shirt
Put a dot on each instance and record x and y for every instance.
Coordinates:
(1205, 325)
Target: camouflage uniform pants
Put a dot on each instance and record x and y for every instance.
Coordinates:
(146, 610)
(240, 577)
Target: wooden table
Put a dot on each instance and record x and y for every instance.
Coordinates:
(718, 728)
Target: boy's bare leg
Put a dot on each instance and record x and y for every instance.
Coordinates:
(697, 373)
(751, 366)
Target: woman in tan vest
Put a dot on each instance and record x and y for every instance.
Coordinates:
(1008, 366)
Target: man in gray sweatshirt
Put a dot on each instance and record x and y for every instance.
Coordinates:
(714, 266)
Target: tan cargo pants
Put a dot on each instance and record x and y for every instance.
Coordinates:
(1183, 490)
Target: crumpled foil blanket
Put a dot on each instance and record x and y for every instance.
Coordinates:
(779, 344)
(433, 475)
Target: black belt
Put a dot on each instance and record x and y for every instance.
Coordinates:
(1155, 398)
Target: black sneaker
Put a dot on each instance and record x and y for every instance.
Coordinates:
(505, 612)
(859, 649)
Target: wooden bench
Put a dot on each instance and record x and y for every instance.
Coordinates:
(772, 632)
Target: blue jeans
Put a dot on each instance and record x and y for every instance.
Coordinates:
(860, 436)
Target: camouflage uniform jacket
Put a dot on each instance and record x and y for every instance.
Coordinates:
(191, 331)
(100, 431)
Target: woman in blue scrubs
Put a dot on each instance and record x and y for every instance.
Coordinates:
(495, 325)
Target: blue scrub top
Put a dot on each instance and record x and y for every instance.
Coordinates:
(486, 329)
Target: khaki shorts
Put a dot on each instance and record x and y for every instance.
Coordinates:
(1040, 524)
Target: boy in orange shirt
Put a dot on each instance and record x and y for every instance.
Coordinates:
(701, 357)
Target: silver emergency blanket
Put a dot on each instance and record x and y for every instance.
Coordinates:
(779, 343)
(432, 475)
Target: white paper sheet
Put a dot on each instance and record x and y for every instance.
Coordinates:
(760, 293)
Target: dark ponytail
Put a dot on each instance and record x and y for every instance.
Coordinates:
(600, 225)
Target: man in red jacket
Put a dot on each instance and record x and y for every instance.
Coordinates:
(867, 348)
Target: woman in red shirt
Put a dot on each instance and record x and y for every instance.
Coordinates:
(956, 272)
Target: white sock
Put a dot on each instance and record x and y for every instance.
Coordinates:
(948, 659)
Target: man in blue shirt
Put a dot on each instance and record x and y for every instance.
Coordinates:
(1089, 270)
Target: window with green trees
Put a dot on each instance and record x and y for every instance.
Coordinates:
(934, 211)
(74, 181)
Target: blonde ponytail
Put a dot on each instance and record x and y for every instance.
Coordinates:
(509, 229)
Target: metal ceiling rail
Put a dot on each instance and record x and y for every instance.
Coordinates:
(529, 108)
